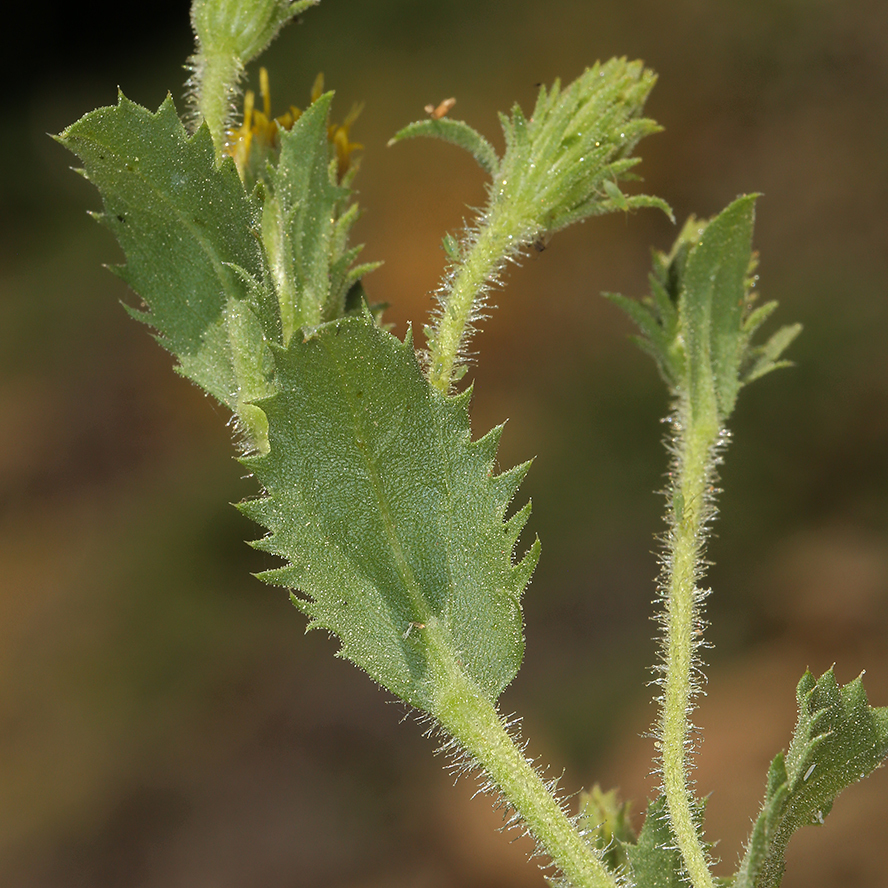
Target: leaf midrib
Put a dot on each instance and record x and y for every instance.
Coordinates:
(413, 588)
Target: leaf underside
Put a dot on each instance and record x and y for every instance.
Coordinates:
(388, 515)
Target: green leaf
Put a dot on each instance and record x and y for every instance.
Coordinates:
(306, 219)
(391, 519)
(299, 221)
(566, 161)
(839, 739)
(185, 227)
(713, 299)
(458, 133)
(763, 359)
(654, 859)
(699, 320)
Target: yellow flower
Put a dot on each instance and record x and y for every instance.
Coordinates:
(251, 142)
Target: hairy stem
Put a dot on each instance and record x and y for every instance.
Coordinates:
(502, 235)
(215, 85)
(472, 720)
(690, 509)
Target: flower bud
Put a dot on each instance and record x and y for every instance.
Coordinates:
(241, 28)
(229, 34)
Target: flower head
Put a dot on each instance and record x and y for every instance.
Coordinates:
(256, 139)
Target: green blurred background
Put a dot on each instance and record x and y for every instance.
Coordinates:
(163, 720)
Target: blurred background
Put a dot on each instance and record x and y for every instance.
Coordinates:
(163, 720)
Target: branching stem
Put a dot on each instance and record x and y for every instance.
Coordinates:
(690, 508)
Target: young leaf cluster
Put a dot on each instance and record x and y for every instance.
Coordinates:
(699, 321)
(561, 165)
(564, 162)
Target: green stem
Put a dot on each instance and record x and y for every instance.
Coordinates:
(503, 233)
(473, 721)
(690, 508)
(216, 80)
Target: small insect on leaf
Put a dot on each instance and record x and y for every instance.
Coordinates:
(451, 248)
(436, 113)
(617, 196)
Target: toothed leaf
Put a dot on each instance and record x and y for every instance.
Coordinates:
(699, 321)
(305, 224)
(839, 739)
(458, 133)
(362, 448)
(184, 226)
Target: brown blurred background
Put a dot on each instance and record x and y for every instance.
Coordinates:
(163, 720)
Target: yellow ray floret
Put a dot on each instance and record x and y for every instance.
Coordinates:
(258, 130)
